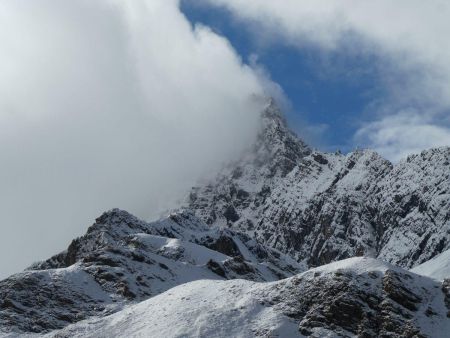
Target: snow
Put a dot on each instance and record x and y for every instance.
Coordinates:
(199, 309)
(437, 267)
(239, 308)
(79, 280)
(186, 251)
(357, 264)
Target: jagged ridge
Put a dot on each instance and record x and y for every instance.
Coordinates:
(123, 260)
(321, 207)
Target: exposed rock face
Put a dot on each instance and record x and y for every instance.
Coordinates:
(321, 207)
(379, 301)
(414, 208)
(446, 291)
(122, 259)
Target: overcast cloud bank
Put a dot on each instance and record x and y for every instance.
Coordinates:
(109, 104)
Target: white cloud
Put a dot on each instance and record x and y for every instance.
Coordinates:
(410, 36)
(108, 104)
(402, 134)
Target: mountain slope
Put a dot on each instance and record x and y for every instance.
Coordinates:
(321, 207)
(437, 267)
(123, 260)
(358, 296)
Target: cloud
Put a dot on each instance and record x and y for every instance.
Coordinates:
(109, 104)
(402, 134)
(408, 37)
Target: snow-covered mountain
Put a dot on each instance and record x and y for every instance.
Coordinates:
(234, 259)
(321, 207)
(123, 260)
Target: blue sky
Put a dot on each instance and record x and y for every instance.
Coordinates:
(328, 92)
(357, 74)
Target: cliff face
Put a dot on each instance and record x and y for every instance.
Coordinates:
(321, 207)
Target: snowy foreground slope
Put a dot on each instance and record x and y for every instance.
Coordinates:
(245, 255)
(356, 297)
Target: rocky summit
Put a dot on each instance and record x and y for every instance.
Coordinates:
(322, 207)
(286, 241)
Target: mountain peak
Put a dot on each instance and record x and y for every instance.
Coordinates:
(273, 111)
(276, 147)
(321, 207)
